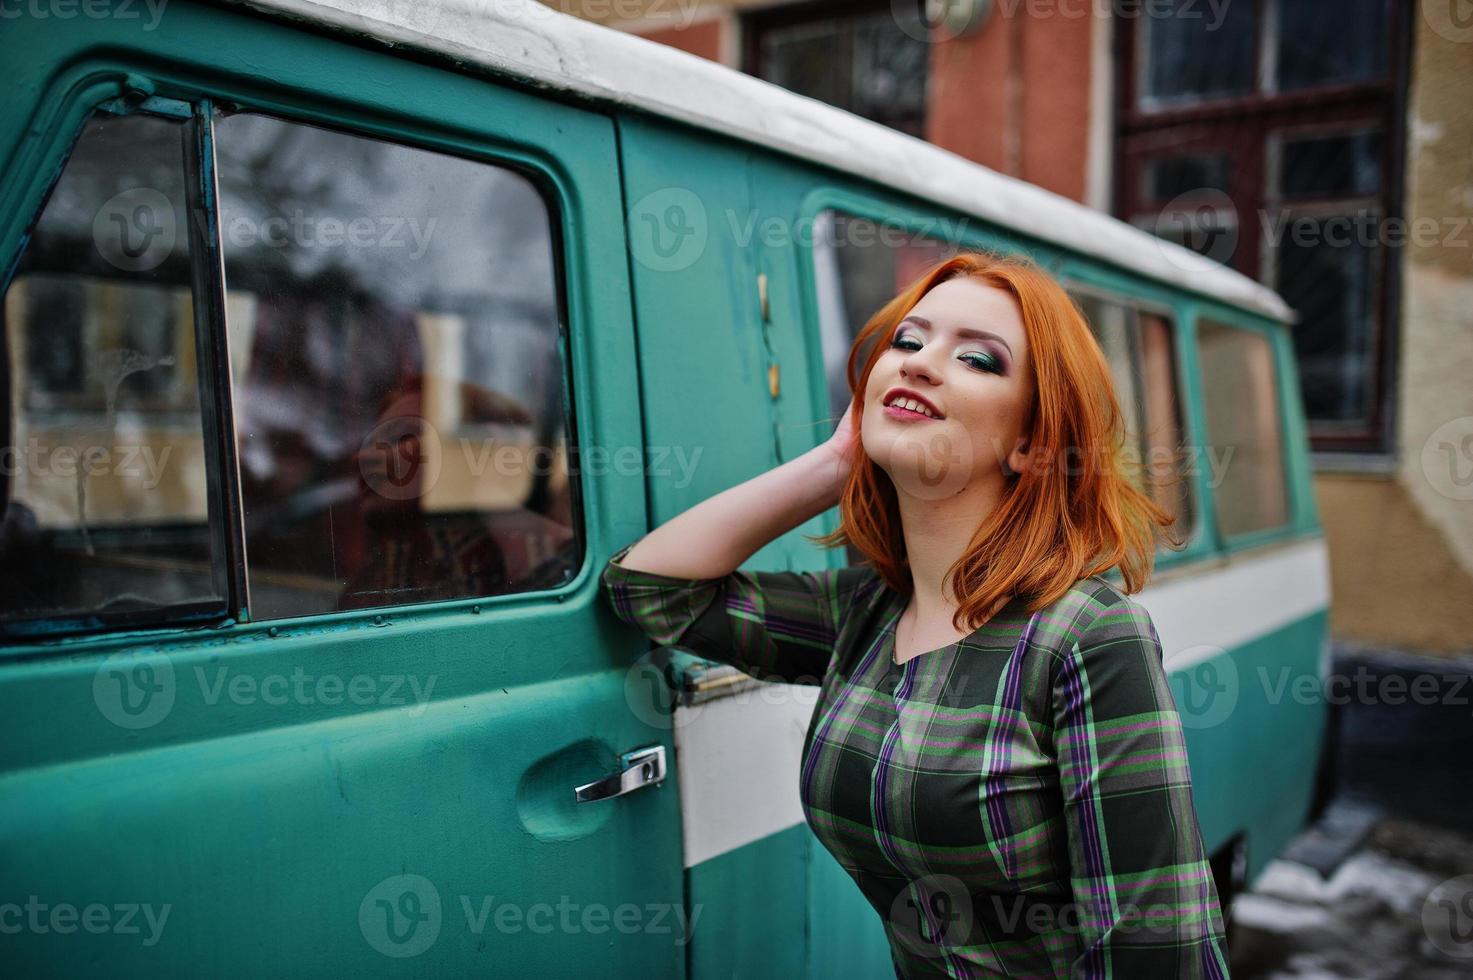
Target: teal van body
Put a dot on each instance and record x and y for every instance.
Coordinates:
(262, 783)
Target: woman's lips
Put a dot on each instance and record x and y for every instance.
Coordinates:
(906, 415)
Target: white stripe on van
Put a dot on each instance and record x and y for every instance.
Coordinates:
(738, 756)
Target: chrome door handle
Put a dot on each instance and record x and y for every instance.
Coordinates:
(640, 768)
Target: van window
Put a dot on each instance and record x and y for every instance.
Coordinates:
(105, 496)
(1241, 400)
(859, 265)
(1140, 348)
(398, 361)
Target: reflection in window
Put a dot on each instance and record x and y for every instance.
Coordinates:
(1326, 269)
(1170, 177)
(1193, 51)
(871, 64)
(105, 499)
(1245, 451)
(1329, 166)
(398, 365)
(1141, 352)
(1316, 47)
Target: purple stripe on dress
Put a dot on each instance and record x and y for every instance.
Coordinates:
(1012, 698)
(1089, 831)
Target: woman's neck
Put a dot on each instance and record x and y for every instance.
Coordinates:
(937, 534)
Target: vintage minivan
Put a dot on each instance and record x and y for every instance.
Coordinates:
(344, 342)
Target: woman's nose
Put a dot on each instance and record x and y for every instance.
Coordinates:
(918, 365)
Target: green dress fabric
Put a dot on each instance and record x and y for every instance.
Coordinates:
(1017, 803)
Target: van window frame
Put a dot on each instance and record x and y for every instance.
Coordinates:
(1300, 511)
(67, 105)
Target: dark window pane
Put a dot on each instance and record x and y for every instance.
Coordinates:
(399, 372)
(1246, 462)
(1327, 272)
(872, 65)
(106, 502)
(1197, 51)
(1170, 177)
(1324, 46)
(1321, 167)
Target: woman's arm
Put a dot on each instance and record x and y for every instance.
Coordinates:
(680, 583)
(1144, 895)
(715, 536)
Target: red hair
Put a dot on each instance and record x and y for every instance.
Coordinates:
(1058, 521)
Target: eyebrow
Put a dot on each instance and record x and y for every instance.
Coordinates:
(965, 332)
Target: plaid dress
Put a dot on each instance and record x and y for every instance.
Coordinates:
(1017, 803)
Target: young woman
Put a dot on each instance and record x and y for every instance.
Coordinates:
(995, 756)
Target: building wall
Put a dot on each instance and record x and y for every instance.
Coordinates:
(1401, 543)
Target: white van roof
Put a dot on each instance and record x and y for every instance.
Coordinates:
(531, 41)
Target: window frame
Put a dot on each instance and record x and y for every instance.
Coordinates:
(153, 90)
(1172, 315)
(225, 559)
(1243, 125)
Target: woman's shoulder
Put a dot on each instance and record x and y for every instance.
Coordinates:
(1093, 603)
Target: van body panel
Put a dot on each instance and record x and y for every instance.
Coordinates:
(362, 792)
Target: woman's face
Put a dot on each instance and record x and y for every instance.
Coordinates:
(963, 350)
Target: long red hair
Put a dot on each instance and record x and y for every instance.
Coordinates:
(1072, 512)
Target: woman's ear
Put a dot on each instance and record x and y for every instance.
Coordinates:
(1017, 460)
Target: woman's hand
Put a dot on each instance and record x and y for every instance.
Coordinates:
(840, 446)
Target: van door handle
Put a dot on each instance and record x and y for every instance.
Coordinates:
(640, 768)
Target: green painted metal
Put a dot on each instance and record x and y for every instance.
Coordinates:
(266, 823)
(278, 781)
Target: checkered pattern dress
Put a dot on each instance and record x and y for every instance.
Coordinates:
(1017, 803)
